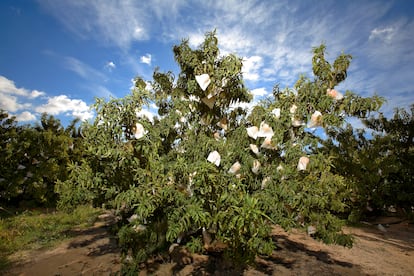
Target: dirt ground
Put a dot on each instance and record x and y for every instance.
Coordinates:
(387, 250)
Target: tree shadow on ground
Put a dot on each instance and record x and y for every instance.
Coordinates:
(284, 245)
(103, 243)
(389, 230)
(290, 257)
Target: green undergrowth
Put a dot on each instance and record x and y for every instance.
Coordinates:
(36, 229)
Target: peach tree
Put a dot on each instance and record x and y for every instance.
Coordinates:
(208, 174)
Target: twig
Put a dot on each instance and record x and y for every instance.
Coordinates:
(1, 208)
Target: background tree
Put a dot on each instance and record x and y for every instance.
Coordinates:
(9, 132)
(33, 159)
(378, 164)
(394, 142)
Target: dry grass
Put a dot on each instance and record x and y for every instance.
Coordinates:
(39, 229)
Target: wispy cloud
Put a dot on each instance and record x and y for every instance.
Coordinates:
(384, 34)
(251, 67)
(92, 78)
(111, 22)
(82, 69)
(117, 23)
(275, 38)
(385, 65)
(99, 90)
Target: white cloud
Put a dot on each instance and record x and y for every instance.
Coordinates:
(14, 99)
(8, 87)
(62, 104)
(196, 39)
(10, 103)
(12, 96)
(25, 116)
(251, 66)
(259, 92)
(138, 33)
(146, 59)
(36, 93)
(110, 65)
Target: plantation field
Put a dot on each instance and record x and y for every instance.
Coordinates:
(93, 251)
(214, 172)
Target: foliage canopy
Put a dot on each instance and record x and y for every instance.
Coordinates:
(206, 172)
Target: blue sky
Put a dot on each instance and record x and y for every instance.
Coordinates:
(57, 55)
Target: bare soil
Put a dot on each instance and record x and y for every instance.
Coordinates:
(387, 250)
(92, 251)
